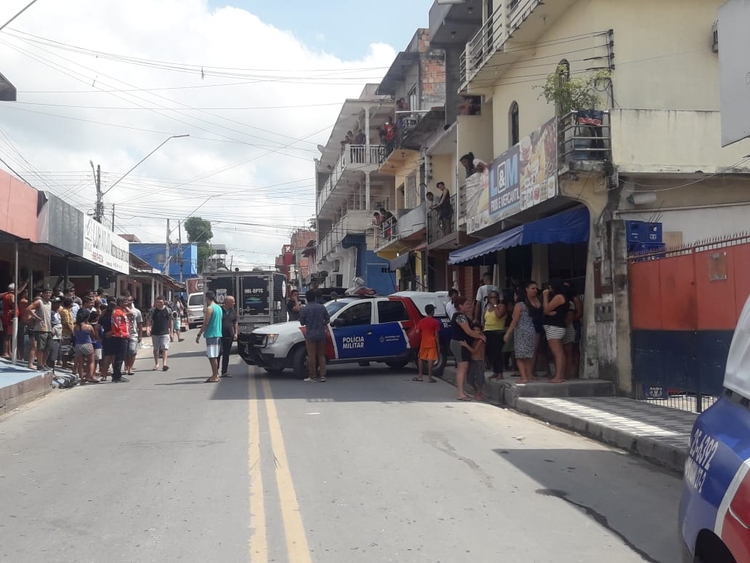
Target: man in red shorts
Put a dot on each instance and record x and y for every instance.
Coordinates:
(429, 347)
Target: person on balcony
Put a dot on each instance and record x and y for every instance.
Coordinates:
(360, 138)
(444, 208)
(467, 161)
(390, 135)
(389, 222)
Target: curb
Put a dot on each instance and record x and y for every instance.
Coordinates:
(17, 394)
(668, 455)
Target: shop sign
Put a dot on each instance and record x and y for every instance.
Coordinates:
(520, 178)
(104, 247)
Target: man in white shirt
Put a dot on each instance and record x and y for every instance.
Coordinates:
(135, 325)
(450, 308)
(483, 298)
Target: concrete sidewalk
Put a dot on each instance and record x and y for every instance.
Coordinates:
(657, 433)
(19, 385)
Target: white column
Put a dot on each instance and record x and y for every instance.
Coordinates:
(367, 130)
(367, 191)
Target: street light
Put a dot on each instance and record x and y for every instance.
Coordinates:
(99, 209)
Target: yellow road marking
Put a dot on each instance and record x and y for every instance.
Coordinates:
(258, 537)
(296, 539)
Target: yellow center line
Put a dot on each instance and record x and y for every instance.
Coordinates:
(296, 539)
(258, 538)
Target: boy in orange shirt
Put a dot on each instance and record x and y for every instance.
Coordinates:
(429, 347)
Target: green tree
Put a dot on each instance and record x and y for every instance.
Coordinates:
(199, 231)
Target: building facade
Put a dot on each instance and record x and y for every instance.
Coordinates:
(349, 189)
(562, 173)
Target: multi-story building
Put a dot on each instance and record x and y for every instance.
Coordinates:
(591, 112)
(350, 188)
(294, 261)
(416, 81)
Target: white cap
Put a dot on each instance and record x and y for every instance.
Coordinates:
(11, 286)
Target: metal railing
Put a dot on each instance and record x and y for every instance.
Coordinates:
(359, 156)
(483, 45)
(585, 135)
(518, 11)
(438, 227)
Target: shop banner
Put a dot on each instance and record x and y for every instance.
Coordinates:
(520, 178)
(104, 247)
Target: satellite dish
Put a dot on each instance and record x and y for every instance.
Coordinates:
(322, 149)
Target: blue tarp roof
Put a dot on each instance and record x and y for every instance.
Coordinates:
(569, 227)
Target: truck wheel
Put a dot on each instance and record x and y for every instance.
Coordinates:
(397, 365)
(439, 366)
(299, 362)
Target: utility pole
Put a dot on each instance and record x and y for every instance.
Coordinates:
(113, 217)
(99, 208)
(179, 247)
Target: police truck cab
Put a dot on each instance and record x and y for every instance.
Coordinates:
(714, 516)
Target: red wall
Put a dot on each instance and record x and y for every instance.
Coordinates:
(18, 206)
(704, 290)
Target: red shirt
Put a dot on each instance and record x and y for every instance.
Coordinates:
(429, 327)
(119, 324)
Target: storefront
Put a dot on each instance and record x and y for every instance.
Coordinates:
(84, 253)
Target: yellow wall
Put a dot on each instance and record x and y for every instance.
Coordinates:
(663, 60)
(475, 135)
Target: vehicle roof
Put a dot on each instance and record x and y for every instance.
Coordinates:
(737, 376)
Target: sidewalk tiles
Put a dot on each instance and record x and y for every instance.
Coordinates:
(657, 433)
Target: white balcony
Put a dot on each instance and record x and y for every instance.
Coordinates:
(522, 21)
(408, 230)
(354, 160)
(354, 222)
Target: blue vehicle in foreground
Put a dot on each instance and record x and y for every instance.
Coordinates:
(714, 517)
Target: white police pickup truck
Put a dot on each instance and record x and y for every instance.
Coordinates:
(362, 330)
(714, 517)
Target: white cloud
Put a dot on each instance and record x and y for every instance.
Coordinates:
(279, 71)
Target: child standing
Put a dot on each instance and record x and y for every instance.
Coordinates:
(476, 367)
(429, 347)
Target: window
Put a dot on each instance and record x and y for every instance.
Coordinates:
(195, 300)
(391, 312)
(513, 125)
(356, 315)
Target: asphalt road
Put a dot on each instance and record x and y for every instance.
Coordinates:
(368, 467)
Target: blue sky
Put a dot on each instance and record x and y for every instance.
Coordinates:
(343, 28)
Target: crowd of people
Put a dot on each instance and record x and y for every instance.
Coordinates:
(518, 329)
(86, 336)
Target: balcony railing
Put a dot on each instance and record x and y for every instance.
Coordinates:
(484, 44)
(354, 222)
(438, 227)
(585, 135)
(352, 156)
(409, 223)
(507, 17)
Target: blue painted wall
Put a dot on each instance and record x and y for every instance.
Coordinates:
(153, 253)
(685, 360)
(376, 271)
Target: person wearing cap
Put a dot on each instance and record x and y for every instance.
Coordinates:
(40, 311)
(10, 310)
(482, 301)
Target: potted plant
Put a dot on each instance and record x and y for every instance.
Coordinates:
(576, 101)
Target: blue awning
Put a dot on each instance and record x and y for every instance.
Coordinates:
(568, 227)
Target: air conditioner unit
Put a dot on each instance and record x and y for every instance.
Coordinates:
(715, 37)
